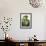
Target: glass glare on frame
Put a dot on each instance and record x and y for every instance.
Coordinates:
(37, 3)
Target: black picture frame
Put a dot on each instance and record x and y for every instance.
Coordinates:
(26, 20)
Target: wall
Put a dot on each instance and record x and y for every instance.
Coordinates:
(13, 8)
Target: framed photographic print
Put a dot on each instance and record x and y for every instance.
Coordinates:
(26, 20)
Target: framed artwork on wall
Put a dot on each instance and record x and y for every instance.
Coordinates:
(26, 20)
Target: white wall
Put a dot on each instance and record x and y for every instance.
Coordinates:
(13, 8)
